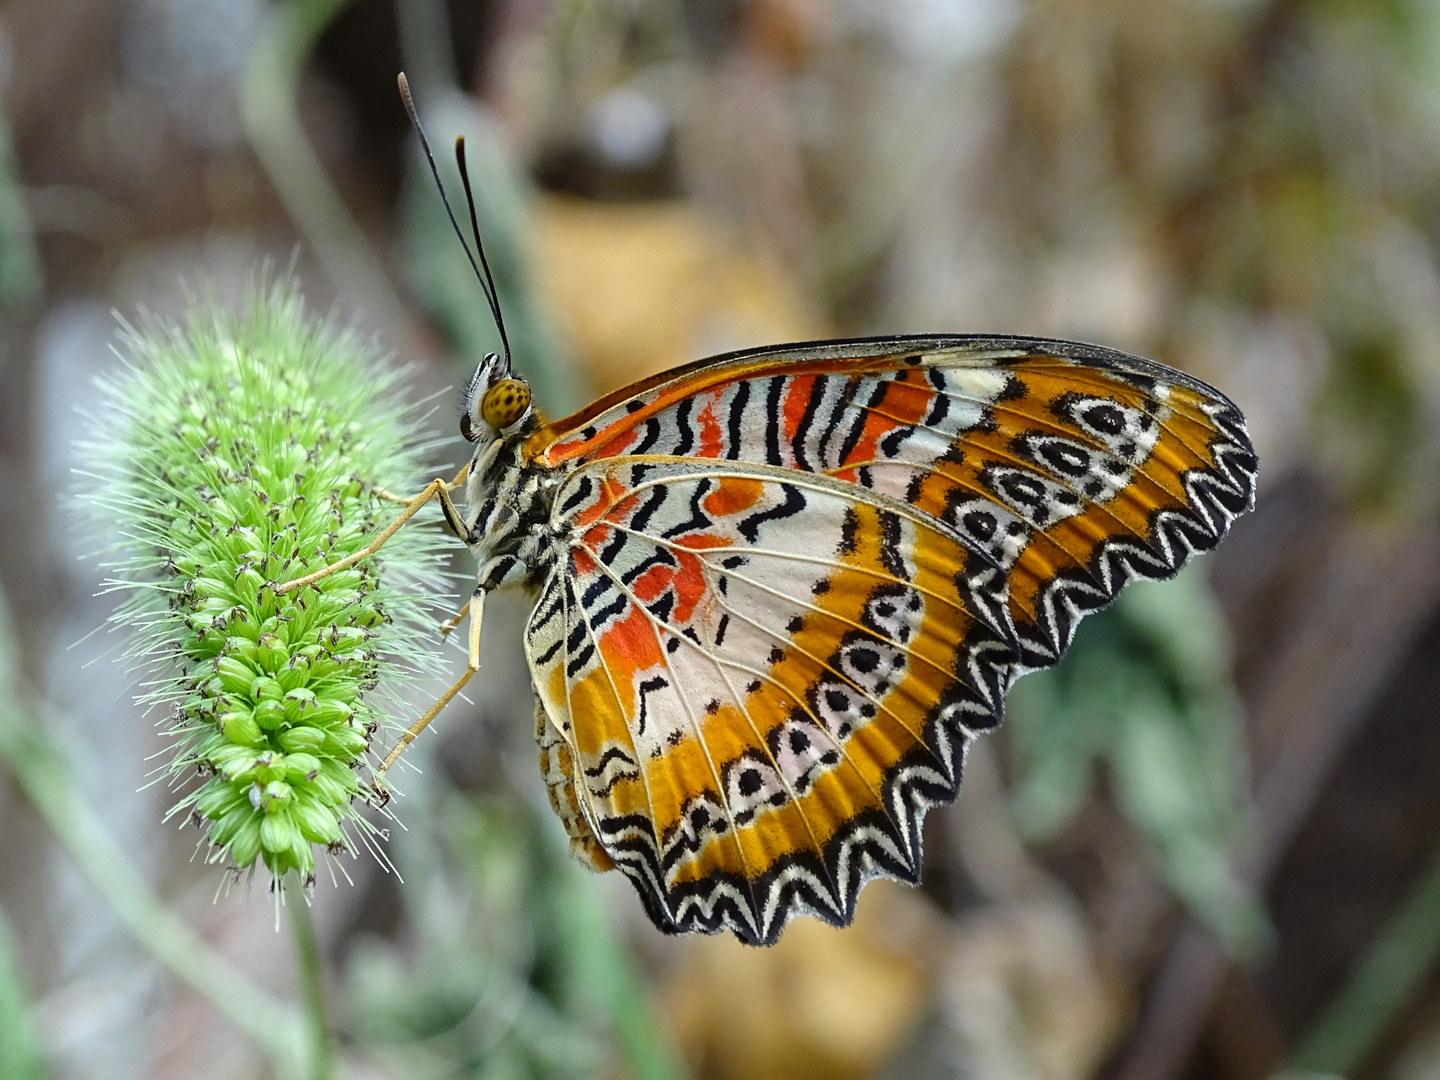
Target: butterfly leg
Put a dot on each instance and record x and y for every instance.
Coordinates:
(436, 489)
(472, 665)
(390, 496)
(454, 620)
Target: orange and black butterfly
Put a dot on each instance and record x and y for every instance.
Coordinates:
(779, 592)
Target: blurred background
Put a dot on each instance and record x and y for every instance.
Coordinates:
(1207, 846)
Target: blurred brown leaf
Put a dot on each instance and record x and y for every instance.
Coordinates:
(640, 287)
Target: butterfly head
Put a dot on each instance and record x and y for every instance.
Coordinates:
(495, 401)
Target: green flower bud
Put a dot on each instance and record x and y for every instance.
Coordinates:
(266, 689)
(317, 824)
(269, 714)
(272, 653)
(235, 674)
(240, 727)
(299, 739)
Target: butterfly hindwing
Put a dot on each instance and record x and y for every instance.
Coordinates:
(796, 582)
(765, 679)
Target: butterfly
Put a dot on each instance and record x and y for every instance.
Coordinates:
(779, 592)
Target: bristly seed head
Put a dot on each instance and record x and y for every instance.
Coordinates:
(235, 454)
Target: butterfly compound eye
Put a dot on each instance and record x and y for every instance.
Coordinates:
(504, 403)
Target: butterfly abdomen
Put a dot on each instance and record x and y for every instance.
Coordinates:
(557, 768)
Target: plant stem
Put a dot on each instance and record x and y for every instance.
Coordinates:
(268, 89)
(311, 967)
(1388, 977)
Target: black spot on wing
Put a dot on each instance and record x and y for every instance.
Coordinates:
(646, 688)
(890, 538)
(857, 424)
(849, 533)
(656, 499)
(659, 557)
(802, 429)
(686, 441)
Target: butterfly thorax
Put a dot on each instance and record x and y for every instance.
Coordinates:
(507, 515)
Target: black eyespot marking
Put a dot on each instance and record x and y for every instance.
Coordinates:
(1065, 459)
(864, 660)
(979, 524)
(1106, 418)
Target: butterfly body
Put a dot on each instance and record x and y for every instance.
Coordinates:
(779, 591)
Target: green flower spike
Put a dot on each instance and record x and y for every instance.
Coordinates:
(234, 455)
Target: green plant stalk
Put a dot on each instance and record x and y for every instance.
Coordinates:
(43, 776)
(20, 276)
(1389, 975)
(435, 263)
(311, 966)
(268, 91)
(611, 984)
(19, 1054)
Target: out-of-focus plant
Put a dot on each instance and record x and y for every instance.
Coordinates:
(1145, 695)
(19, 1051)
(1391, 971)
(235, 455)
(19, 263)
(512, 970)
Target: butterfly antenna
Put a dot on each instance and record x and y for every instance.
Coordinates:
(485, 285)
(490, 293)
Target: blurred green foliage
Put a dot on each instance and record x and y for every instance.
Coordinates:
(19, 264)
(19, 1049)
(1144, 700)
(511, 970)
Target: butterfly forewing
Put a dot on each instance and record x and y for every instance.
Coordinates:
(1059, 460)
(797, 581)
